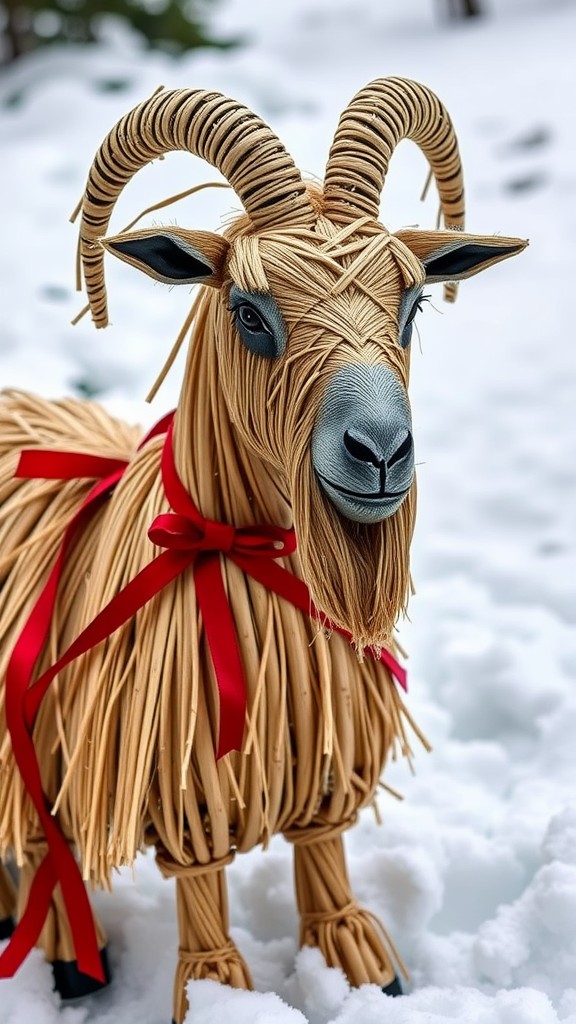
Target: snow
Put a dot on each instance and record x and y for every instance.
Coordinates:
(474, 872)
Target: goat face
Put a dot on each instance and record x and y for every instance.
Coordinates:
(313, 330)
(322, 297)
(336, 383)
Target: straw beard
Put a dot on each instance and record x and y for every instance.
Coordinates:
(358, 573)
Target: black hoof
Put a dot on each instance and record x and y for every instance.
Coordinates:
(71, 983)
(7, 926)
(394, 988)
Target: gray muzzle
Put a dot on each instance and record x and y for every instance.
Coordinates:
(362, 448)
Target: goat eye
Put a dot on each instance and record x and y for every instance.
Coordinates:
(258, 321)
(406, 335)
(250, 319)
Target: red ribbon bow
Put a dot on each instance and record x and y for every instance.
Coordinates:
(188, 540)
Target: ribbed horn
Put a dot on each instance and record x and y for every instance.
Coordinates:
(377, 119)
(209, 125)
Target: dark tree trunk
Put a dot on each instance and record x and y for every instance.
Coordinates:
(12, 34)
(464, 9)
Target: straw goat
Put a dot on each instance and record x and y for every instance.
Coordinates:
(293, 415)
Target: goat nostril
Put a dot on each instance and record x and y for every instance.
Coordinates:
(401, 452)
(359, 450)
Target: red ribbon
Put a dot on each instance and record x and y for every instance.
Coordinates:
(21, 707)
(59, 865)
(189, 540)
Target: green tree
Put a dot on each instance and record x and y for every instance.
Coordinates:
(173, 25)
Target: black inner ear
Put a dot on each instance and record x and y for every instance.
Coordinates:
(165, 257)
(465, 257)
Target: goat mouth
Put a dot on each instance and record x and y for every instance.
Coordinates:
(364, 495)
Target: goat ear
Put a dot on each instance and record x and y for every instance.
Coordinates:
(172, 255)
(454, 255)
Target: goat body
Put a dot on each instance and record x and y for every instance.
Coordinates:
(293, 413)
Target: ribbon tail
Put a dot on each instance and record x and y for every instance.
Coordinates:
(141, 589)
(29, 927)
(21, 709)
(33, 636)
(223, 647)
(62, 865)
(27, 931)
(60, 860)
(76, 901)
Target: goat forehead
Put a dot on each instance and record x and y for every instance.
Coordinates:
(359, 277)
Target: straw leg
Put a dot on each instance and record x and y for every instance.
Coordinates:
(348, 936)
(206, 949)
(56, 939)
(7, 903)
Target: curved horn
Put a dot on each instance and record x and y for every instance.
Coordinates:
(377, 119)
(209, 125)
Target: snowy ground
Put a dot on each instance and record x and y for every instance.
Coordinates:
(475, 872)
